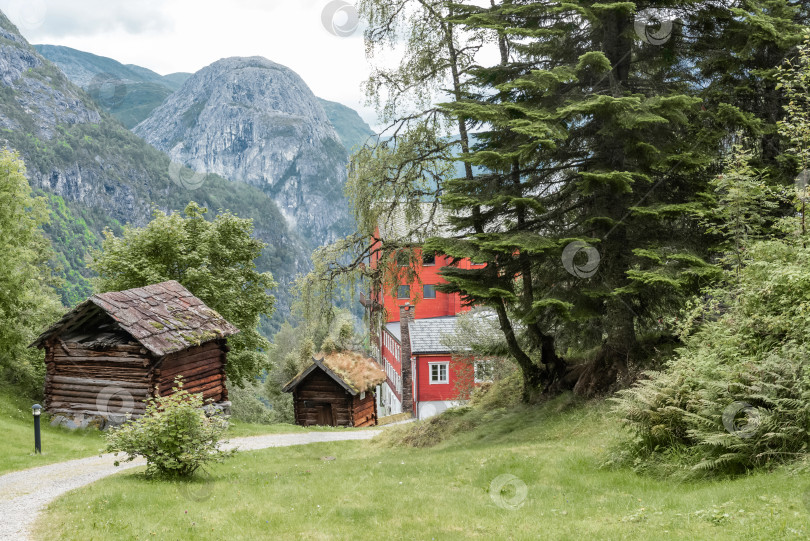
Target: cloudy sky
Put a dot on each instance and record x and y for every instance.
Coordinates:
(185, 35)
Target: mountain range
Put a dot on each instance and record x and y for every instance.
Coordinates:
(257, 146)
(141, 90)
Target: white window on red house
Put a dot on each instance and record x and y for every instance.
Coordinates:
(438, 372)
(483, 371)
(404, 292)
(428, 260)
(428, 291)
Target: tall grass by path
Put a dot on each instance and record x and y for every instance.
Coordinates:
(359, 490)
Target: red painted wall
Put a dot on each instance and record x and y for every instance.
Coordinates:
(438, 391)
(443, 305)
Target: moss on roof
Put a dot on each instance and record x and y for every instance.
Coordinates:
(355, 371)
(361, 373)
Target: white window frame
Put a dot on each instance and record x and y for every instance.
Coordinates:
(446, 373)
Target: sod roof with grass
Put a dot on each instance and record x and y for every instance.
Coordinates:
(353, 371)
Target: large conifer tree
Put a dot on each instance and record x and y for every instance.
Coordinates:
(598, 145)
(597, 132)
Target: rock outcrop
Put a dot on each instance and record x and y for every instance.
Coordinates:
(255, 121)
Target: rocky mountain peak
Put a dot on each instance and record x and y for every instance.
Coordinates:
(36, 89)
(255, 121)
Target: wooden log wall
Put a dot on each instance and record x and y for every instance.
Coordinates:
(202, 368)
(114, 380)
(364, 410)
(318, 389)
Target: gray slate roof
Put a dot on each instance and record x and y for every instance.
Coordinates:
(427, 334)
(164, 318)
(394, 329)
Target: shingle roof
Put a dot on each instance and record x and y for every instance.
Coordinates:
(427, 334)
(163, 317)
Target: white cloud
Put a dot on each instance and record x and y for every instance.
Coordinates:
(55, 18)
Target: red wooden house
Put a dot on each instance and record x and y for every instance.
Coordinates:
(421, 376)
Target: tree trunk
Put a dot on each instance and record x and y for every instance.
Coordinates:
(609, 371)
(533, 374)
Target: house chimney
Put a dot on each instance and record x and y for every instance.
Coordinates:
(405, 317)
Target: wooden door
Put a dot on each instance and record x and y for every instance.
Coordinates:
(325, 415)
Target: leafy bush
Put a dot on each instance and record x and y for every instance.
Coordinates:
(249, 404)
(738, 396)
(174, 435)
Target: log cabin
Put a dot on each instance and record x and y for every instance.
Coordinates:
(336, 390)
(110, 353)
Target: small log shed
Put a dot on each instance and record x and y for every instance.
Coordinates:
(336, 390)
(114, 350)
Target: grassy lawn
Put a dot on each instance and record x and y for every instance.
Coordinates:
(239, 429)
(59, 444)
(17, 441)
(451, 491)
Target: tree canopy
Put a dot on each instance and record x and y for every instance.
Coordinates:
(214, 259)
(28, 303)
(599, 129)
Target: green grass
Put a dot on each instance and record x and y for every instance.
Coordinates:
(240, 429)
(372, 490)
(17, 441)
(60, 444)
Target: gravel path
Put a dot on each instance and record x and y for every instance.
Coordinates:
(24, 494)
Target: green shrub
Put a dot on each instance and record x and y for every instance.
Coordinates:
(738, 395)
(174, 435)
(248, 406)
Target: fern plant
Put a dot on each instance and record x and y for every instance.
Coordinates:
(738, 394)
